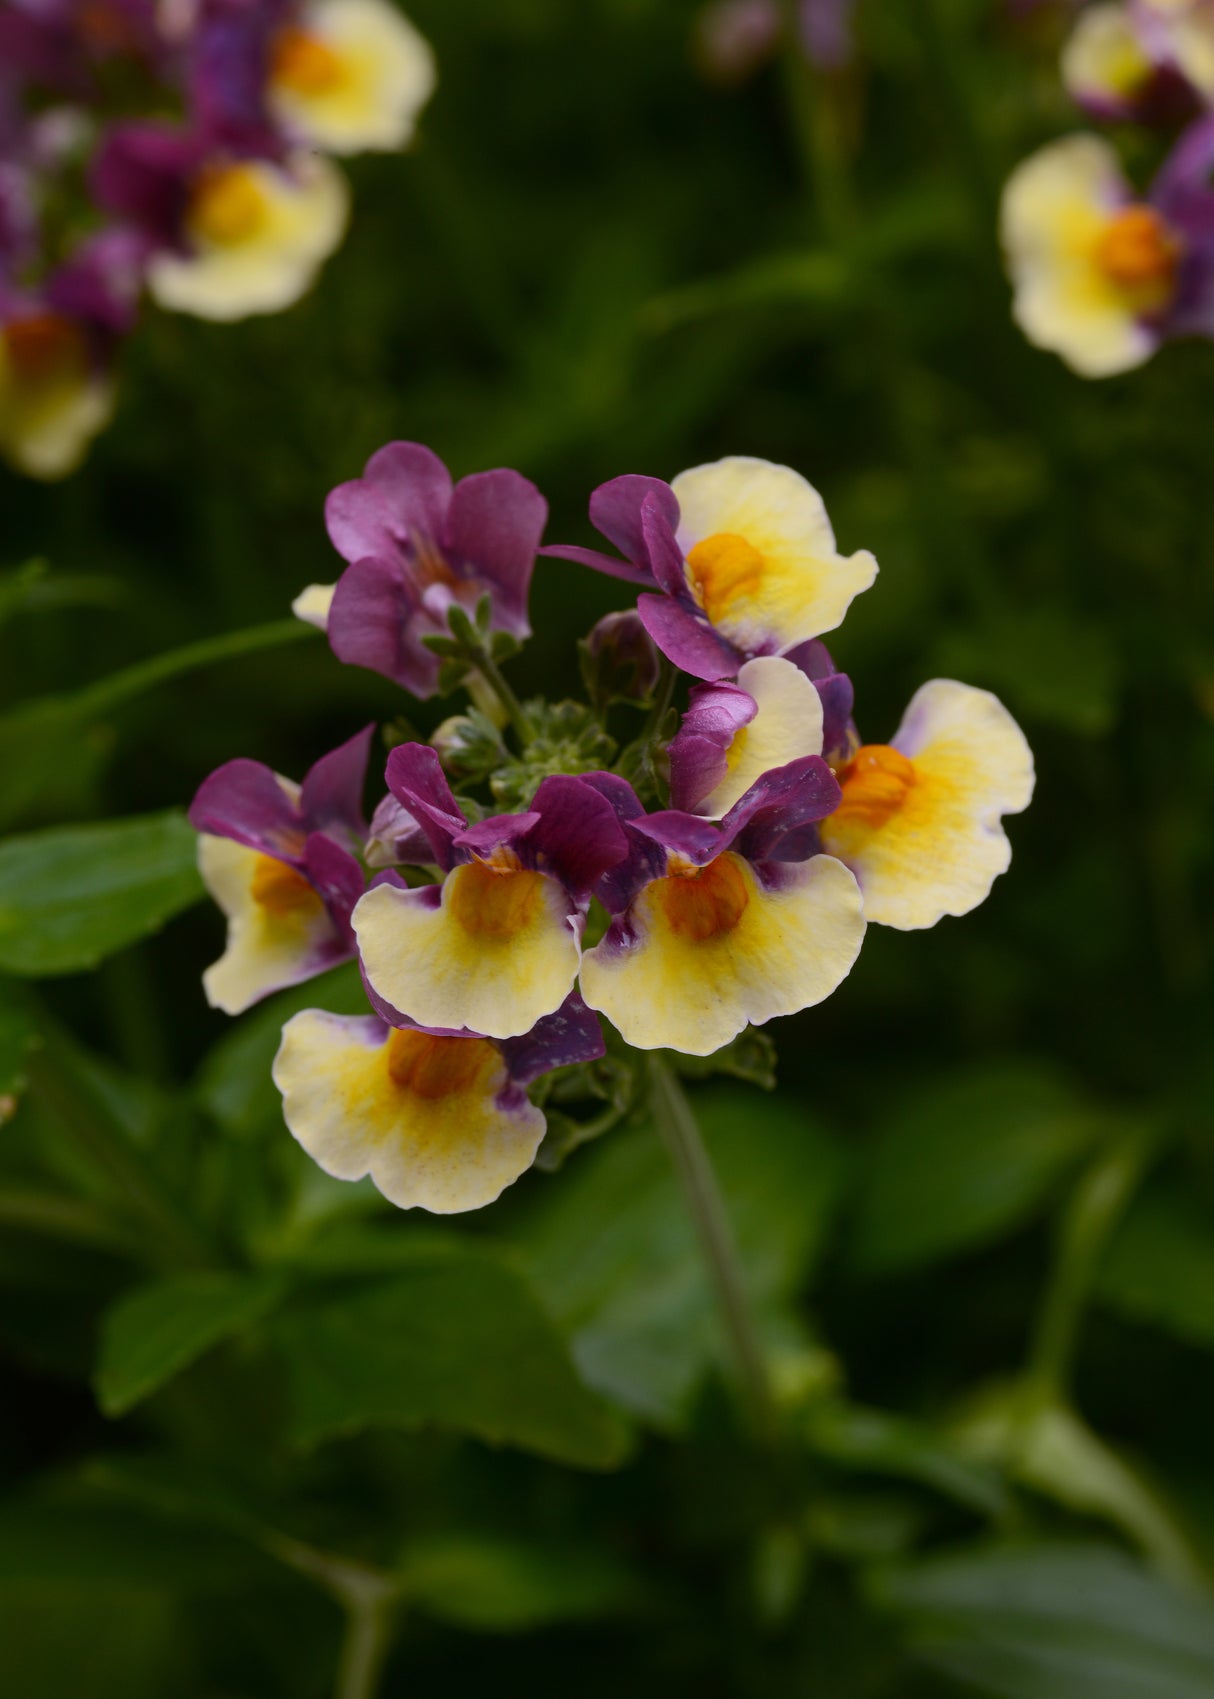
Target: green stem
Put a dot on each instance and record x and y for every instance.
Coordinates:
(107, 693)
(1092, 1213)
(693, 1168)
(368, 1640)
(493, 677)
(369, 1598)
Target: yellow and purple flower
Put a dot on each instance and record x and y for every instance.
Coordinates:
(349, 76)
(1130, 59)
(496, 946)
(741, 556)
(417, 545)
(919, 820)
(277, 857)
(1100, 277)
(717, 926)
(439, 1119)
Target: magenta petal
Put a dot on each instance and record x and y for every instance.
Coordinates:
(571, 1034)
(495, 523)
(331, 797)
(664, 554)
(701, 841)
(395, 836)
(615, 510)
(337, 879)
(142, 172)
(697, 752)
(644, 860)
(690, 643)
(495, 832)
(416, 778)
(774, 821)
(599, 562)
(369, 626)
(405, 491)
(243, 800)
(578, 837)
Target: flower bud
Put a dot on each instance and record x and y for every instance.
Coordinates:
(619, 660)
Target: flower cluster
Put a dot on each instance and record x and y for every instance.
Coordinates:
(1104, 274)
(177, 146)
(717, 871)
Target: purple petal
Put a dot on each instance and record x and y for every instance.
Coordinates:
(571, 1034)
(834, 688)
(813, 658)
(243, 800)
(395, 836)
(701, 841)
(495, 523)
(615, 510)
(644, 860)
(102, 281)
(697, 752)
(578, 837)
(369, 620)
(142, 172)
(416, 778)
(496, 832)
(331, 797)
(665, 555)
(770, 822)
(688, 641)
(599, 562)
(404, 491)
(337, 878)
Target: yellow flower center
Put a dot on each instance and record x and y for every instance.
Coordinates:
(721, 568)
(1138, 252)
(228, 205)
(44, 348)
(703, 902)
(281, 890)
(495, 899)
(875, 784)
(430, 1066)
(304, 63)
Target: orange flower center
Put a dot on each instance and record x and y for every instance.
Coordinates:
(432, 1067)
(721, 568)
(1138, 252)
(875, 784)
(495, 899)
(228, 205)
(281, 890)
(304, 63)
(43, 348)
(704, 902)
(104, 28)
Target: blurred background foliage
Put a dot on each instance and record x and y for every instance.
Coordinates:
(978, 1213)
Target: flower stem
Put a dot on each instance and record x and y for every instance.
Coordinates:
(365, 1648)
(108, 692)
(493, 677)
(369, 1597)
(677, 1126)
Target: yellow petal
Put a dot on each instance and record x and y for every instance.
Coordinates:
(688, 987)
(761, 553)
(379, 74)
(1056, 207)
(788, 725)
(422, 1115)
(1103, 54)
(275, 941)
(313, 603)
(497, 955)
(941, 849)
(261, 252)
(52, 403)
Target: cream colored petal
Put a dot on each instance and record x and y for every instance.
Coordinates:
(791, 948)
(1055, 207)
(313, 603)
(264, 951)
(426, 963)
(805, 587)
(1191, 40)
(45, 431)
(788, 725)
(443, 1154)
(271, 270)
(1103, 54)
(943, 849)
(387, 75)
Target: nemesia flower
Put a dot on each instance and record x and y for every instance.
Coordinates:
(1100, 277)
(277, 859)
(1181, 33)
(496, 946)
(1125, 60)
(439, 1119)
(718, 926)
(349, 76)
(732, 734)
(418, 544)
(742, 553)
(918, 823)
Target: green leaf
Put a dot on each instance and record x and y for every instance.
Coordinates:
(498, 1585)
(967, 1160)
(1055, 1621)
(612, 1247)
(459, 1341)
(878, 1443)
(1160, 1266)
(71, 896)
(154, 1332)
(17, 1034)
